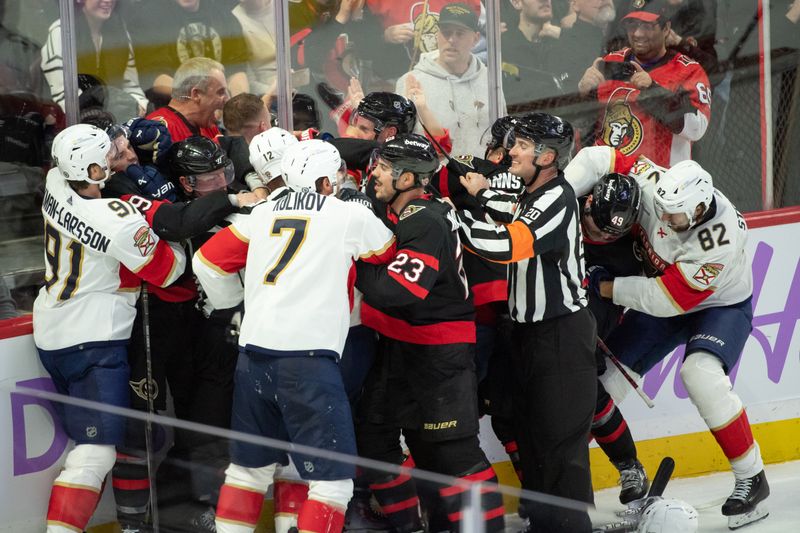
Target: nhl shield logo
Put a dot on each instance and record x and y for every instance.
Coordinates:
(309, 466)
(91, 431)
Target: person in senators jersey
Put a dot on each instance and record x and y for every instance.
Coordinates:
(423, 380)
(699, 290)
(97, 253)
(656, 101)
(288, 384)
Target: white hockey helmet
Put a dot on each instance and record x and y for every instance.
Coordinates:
(78, 147)
(668, 516)
(267, 149)
(305, 162)
(682, 188)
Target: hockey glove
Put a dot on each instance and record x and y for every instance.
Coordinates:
(594, 275)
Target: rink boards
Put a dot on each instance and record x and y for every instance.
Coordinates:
(766, 378)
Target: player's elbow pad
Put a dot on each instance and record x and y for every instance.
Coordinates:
(694, 126)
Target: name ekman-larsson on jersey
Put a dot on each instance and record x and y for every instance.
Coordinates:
(85, 233)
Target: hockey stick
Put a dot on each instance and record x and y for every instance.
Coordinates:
(628, 378)
(662, 477)
(634, 512)
(148, 426)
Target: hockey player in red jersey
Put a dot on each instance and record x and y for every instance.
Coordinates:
(97, 252)
(699, 291)
(423, 380)
(655, 102)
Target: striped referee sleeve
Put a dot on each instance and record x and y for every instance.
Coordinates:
(499, 206)
(499, 244)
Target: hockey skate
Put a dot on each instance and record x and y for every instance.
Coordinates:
(362, 515)
(746, 504)
(633, 480)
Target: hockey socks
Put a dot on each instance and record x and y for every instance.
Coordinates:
(77, 489)
(397, 496)
(318, 517)
(241, 498)
(611, 432)
(512, 449)
(131, 484)
(491, 500)
(289, 497)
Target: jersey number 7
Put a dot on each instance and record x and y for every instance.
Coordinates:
(296, 227)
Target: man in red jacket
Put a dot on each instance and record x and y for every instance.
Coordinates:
(199, 91)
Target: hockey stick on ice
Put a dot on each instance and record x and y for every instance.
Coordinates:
(662, 477)
(148, 426)
(628, 378)
(633, 514)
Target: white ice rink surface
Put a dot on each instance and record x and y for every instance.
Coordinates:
(707, 494)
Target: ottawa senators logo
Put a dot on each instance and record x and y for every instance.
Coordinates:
(621, 128)
(426, 25)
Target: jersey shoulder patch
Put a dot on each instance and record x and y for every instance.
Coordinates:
(467, 160)
(708, 272)
(411, 210)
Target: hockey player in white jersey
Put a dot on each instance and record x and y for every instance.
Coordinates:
(295, 240)
(698, 292)
(97, 251)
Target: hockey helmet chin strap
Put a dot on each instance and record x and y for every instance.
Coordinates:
(538, 150)
(397, 192)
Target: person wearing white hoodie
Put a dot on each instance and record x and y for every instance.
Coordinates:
(455, 82)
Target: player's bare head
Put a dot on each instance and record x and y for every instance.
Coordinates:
(683, 195)
(313, 165)
(200, 166)
(612, 209)
(82, 153)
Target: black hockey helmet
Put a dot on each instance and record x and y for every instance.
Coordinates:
(548, 130)
(197, 156)
(388, 109)
(615, 204)
(500, 135)
(410, 152)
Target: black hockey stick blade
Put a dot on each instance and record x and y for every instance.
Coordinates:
(662, 477)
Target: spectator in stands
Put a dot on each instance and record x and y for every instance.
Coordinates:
(527, 51)
(585, 40)
(200, 90)
(454, 81)
(257, 18)
(185, 29)
(245, 116)
(693, 30)
(20, 61)
(656, 102)
(411, 26)
(104, 51)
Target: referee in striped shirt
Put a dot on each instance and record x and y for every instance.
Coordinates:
(538, 234)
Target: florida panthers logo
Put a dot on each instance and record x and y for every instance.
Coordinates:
(622, 129)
